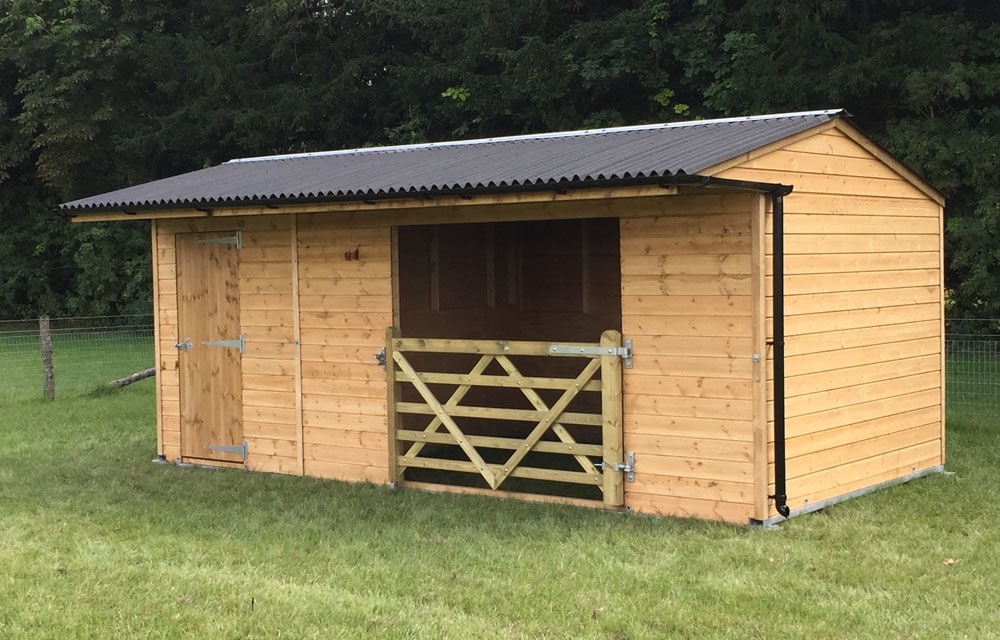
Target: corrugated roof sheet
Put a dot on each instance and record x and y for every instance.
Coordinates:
(582, 158)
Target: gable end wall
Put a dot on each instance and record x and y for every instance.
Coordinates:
(864, 318)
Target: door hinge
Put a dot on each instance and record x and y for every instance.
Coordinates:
(239, 343)
(624, 351)
(380, 358)
(241, 449)
(627, 467)
(236, 240)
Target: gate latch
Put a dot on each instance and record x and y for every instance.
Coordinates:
(380, 358)
(628, 467)
(184, 346)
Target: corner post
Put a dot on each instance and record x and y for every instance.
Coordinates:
(392, 395)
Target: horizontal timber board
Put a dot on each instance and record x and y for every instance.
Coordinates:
(859, 281)
(681, 407)
(688, 387)
(344, 320)
(270, 302)
(850, 300)
(813, 243)
(267, 447)
(820, 494)
(328, 371)
(377, 304)
(259, 382)
(346, 471)
(350, 438)
(329, 453)
(864, 468)
(268, 366)
(846, 435)
(670, 345)
(865, 336)
(646, 324)
(269, 430)
(691, 366)
(339, 354)
(798, 425)
(634, 267)
(816, 263)
(703, 468)
(645, 296)
(274, 464)
(805, 385)
(345, 286)
(348, 388)
(838, 184)
(822, 163)
(693, 448)
(717, 428)
(272, 415)
(860, 394)
(686, 244)
(277, 399)
(831, 321)
(693, 224)
(854, 205)
(862, 449)
(349, 421)
(843, 357)
(683, 507)
(678, 285)
(681, 487)
(342, 404)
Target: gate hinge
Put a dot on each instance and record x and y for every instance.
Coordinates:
(380, 358)
(239, 343)
(225, 448)
(628, 467)
(624, 352)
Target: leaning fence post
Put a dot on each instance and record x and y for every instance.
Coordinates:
(48, 372)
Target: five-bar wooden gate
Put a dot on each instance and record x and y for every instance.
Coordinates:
(592, 438)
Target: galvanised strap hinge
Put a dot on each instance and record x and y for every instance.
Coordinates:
(624, 352)
(226, 448)
(236, 240)
(239, 343)
(627, 467)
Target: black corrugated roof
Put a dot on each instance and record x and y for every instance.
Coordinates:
(581, 158)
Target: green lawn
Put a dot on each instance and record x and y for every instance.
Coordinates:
(98, 542)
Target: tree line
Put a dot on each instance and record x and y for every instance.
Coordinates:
(100, 94)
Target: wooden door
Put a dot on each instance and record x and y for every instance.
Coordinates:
(208, 316)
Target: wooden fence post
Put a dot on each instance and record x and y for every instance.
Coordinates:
(48, 372)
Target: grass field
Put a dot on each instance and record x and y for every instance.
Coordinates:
(98, 542)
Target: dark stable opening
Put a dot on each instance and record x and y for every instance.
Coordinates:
(550, 281)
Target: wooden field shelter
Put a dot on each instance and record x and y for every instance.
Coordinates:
(736, 319)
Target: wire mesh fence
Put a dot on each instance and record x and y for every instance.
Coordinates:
(972, 366)
(87, 353)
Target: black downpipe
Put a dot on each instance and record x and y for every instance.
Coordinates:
(778, 266)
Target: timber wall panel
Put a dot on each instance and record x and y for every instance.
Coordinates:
(863, 318)
(686, 304)
(345, 306)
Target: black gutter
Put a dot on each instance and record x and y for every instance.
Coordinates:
(777, 193)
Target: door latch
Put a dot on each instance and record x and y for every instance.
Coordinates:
(627, 467)
(380, 358)
(184, 346)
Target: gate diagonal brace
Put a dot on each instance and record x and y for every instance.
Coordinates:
(539, 404)
(456, 398)
(546, 422)
(449, 422)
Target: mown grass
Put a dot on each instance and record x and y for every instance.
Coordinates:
(98, 542)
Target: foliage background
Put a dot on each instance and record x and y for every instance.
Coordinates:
(99, 94)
